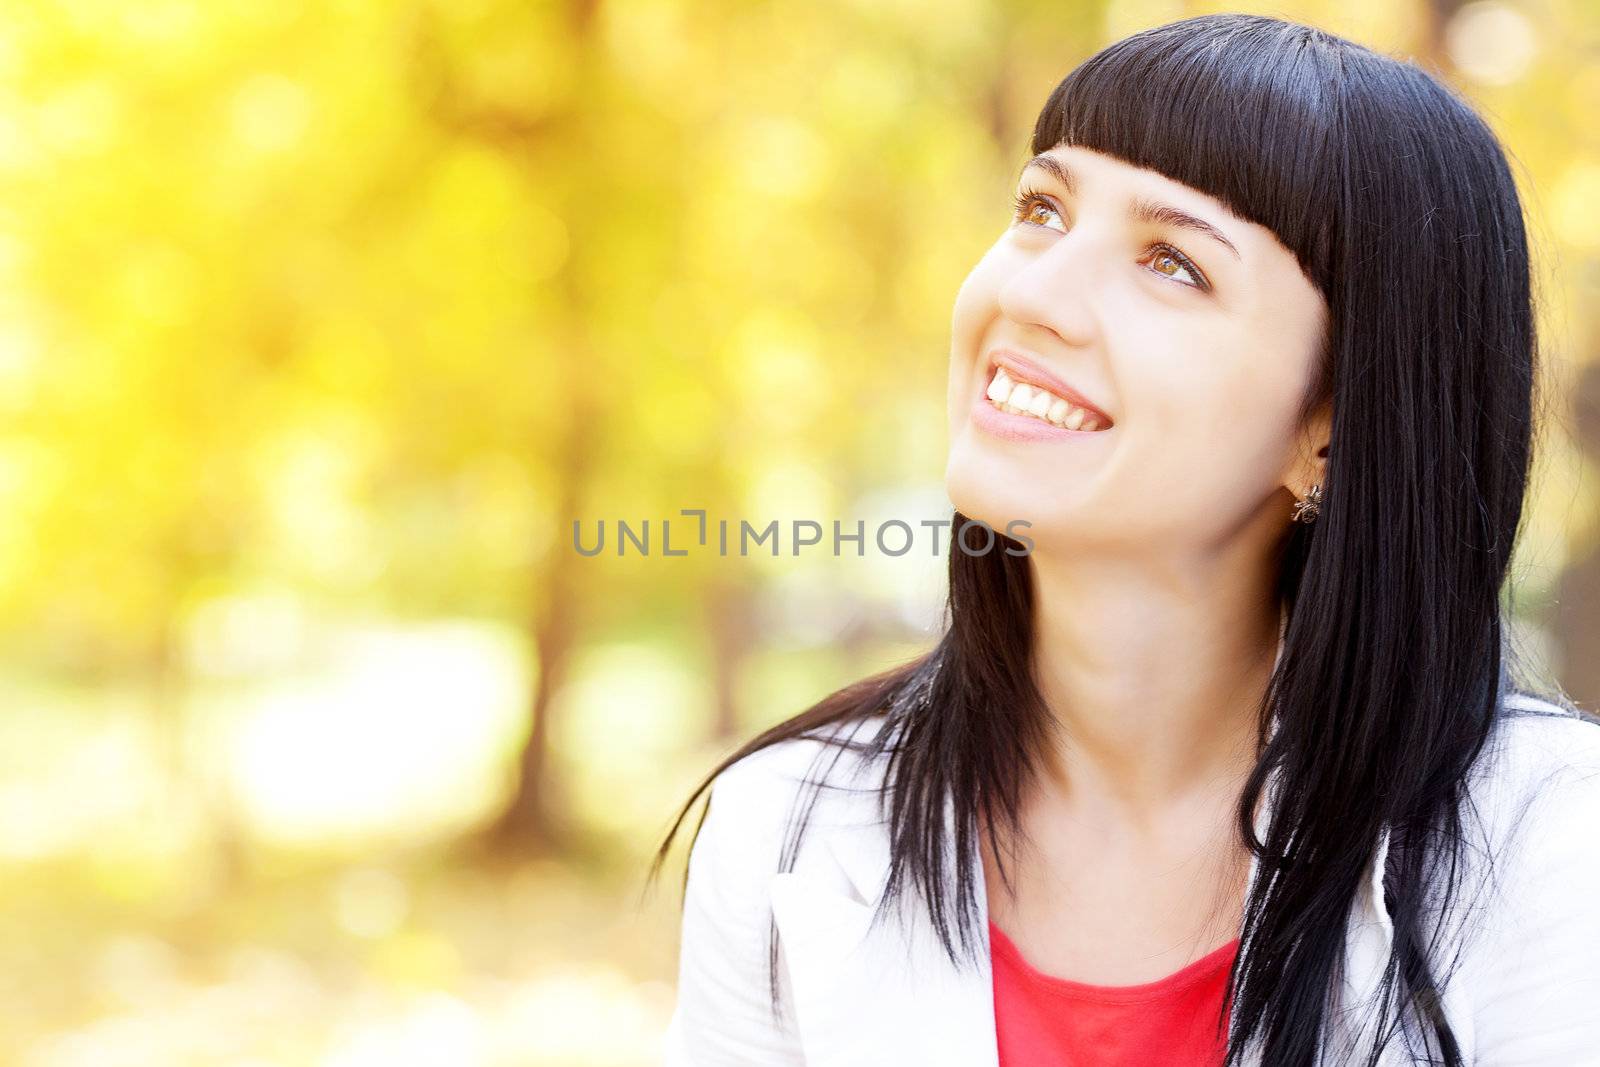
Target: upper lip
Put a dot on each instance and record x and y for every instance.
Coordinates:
(1022, 369)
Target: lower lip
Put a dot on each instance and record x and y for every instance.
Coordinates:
(1003, 424)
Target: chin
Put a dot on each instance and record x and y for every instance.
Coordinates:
(987, 487)
(982, 489)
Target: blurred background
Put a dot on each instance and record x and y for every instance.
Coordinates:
(319, 326)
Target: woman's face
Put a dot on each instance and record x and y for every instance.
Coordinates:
(1187, 335)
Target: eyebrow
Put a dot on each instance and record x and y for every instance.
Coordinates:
(1141, 210)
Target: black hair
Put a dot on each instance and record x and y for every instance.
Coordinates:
(1401, 208)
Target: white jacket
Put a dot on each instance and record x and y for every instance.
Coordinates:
(1526, 990)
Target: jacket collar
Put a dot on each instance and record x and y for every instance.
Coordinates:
(869, 993)
(887, 993)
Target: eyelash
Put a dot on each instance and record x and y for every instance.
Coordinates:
(1025, 199)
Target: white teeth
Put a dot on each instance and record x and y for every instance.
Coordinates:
(1019, 398)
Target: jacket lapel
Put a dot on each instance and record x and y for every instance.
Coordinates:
(877, 995)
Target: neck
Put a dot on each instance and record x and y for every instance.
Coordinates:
(1153, 674)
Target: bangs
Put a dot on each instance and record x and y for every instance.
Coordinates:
(1239, 108)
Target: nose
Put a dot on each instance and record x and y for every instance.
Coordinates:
(1059, 288)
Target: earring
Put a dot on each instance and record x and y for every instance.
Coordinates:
(1307, 510)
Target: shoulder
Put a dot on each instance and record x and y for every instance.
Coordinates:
(1533, 796)
(758, 796)
(1530, 819)
(1529, 970)
(762, 818)
(1541, 759)
(831, 757)
(727, 961)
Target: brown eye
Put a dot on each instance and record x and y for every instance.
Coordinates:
(1033, 209)
(1170, 263)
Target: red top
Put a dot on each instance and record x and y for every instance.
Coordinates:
(1044, 1021)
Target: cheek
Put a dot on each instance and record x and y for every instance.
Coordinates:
(1222, 400)
(1234, 432)
(976, 307)
(1223, 372)
(976, 304)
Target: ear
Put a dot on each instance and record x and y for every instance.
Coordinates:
(1308, 465)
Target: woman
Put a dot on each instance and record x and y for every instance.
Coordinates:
(1233, 766)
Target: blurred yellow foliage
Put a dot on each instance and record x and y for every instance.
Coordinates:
(319, 323)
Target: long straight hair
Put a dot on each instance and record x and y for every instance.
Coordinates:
(1400, 207)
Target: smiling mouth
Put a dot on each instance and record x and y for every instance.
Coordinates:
(1006, 393)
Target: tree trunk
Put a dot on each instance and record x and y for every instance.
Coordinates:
(730, 621)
